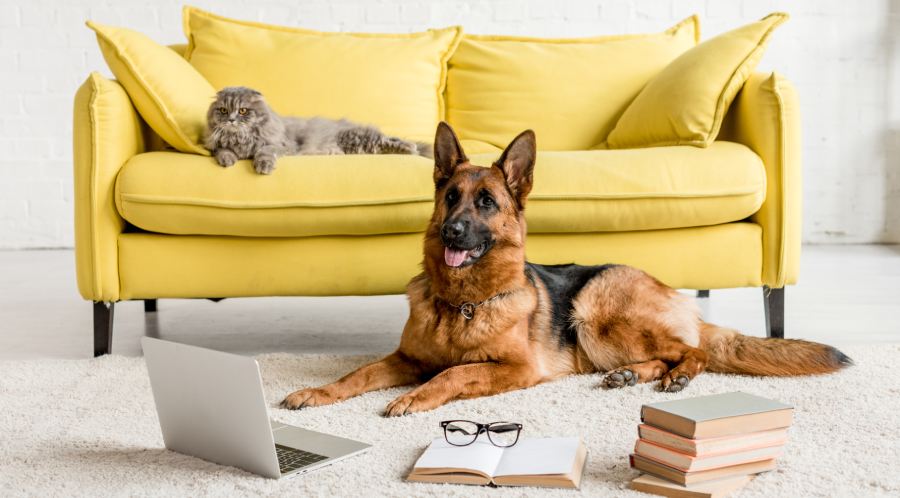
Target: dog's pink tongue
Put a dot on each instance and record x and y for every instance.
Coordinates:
(454, 257)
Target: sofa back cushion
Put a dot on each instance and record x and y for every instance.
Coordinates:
(393, 81)
(686, 102)
(570, 92)
(170, 95)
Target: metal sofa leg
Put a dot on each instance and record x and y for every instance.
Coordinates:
(149, 305)
(703, 294)
(774, 304)
(103, 327)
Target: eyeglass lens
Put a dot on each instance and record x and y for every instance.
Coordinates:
(503, 433)
(461, 432)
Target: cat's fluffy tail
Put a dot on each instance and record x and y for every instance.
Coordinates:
(425, 149)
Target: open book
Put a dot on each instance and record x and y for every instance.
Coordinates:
(552, 462)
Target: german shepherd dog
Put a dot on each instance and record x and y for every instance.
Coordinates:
(484, 321)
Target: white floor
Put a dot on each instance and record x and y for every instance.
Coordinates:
(846, 295)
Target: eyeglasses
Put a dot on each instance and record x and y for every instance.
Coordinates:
(465, 432)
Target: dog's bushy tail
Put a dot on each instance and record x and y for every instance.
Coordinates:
(731, 352)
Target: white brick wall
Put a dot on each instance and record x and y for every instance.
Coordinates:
(844, 57)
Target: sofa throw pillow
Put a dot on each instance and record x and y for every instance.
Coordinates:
(686, 102)
(393, 81)
(569, 91)
(169, 94)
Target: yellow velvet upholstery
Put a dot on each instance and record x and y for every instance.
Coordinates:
(577, 191)
(766, 117)
(723, 216)
(686, 102)
(171, 95)
(107, 132)
(569, 91)
(197, 266)
(393, 81)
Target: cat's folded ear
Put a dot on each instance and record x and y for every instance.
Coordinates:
(448, 153)
(239, 90)
(255, 96)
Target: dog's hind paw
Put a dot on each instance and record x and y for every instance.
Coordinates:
(620, 378)
(673, 383)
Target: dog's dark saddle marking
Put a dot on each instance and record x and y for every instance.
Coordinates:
(563, 283)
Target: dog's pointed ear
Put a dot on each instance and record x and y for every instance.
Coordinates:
(517, 165)
(448, 153)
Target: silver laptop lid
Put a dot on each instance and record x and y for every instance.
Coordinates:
(211, 405)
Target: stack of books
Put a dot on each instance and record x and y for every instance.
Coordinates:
(708, 446)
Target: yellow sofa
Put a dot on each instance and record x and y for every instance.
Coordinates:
(155, 223)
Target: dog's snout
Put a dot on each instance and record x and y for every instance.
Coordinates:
(453, 230)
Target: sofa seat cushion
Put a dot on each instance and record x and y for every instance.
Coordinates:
(580, 191)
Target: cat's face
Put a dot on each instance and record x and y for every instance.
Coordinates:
(237, 109)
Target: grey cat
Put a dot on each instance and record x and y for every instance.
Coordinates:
(240, 125)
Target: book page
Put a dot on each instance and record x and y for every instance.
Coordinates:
(547, 456)
(481, 456)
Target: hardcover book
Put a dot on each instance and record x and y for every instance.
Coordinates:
(711, 445)
(688, 463)
(550, 462)
(672, 474)
(718, 415)
(709, 489)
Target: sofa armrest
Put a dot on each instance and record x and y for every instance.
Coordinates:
(765, 116)
(106, 133)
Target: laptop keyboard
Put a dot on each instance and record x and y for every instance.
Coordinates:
(290, 459)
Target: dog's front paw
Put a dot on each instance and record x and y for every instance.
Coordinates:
(673, 382)
(225, 157)
(620, 378)
(264, 165)
(409, 403)
(306, 398)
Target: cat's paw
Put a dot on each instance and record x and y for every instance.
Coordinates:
(226, 158)
(264, 165)
(400, 146)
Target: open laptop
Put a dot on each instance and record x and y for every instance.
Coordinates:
(211, 405)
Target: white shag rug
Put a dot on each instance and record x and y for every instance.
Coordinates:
(89, 428)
